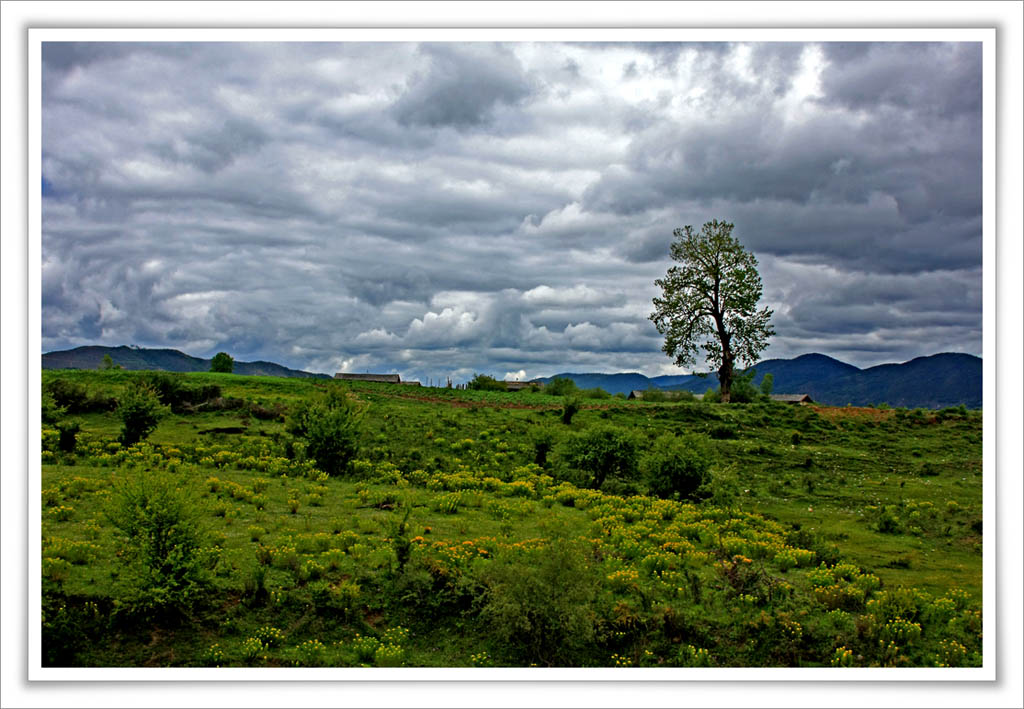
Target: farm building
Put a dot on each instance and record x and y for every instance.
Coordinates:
(519, 386)
(793, 398)
(669, 395)
(381, 378)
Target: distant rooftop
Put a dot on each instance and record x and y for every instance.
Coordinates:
(793, 398)
(381, 378)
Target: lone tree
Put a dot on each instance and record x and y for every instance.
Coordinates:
(222, 362)
(709, 301)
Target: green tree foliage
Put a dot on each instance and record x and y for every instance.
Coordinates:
(51, 412)
(482, 382)
(68, 430)
(222, 362)
(766, 385)
(601, 451)
(561, 386)
(330, 426)
(743, 389)
(709, 302)
(570, 408)
(539, 603)
(175, 390)
(140, 411)
(158, 514)
(655, 395)
(676, 467)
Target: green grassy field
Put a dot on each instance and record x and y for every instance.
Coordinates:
(461, 536)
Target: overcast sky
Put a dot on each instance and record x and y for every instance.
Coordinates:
(448, 209)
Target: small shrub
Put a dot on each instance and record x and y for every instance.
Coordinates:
(570, 408)
(600, 451)
(68, 395)
(676, 467)
(68, 430)
(540, 604)
(140, 411)
(722, 432)
(331, 429)
(51, 412)
(159, 519)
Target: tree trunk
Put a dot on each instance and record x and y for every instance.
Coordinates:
(725, 376)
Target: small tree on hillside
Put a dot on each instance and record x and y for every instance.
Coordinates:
(222, 362)
(140, 411)
(709, 302)
(601, 451)
(330, 427)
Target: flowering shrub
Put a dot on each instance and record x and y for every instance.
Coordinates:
(388, 655)
(365, 648)
(254, 649)
(309, 654)
(214, 656)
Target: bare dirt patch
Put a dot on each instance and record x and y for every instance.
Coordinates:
(837, 413)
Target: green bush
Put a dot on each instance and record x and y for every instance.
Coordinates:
(175, 392)
(140, 411)
(75, 398)
(743, 390)
(68, 395)
(482, 382)
(560, 386)
(570, 408)
(159, 517)
(655, 395)
(539, 603)
(676, 467)
(543, 441)
(51, 412)
(712, 396)
(600, 451)
(68, 430)
(722, 432)
(330, 427)
(595, 393)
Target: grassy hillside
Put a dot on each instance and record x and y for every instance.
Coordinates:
(463, 535)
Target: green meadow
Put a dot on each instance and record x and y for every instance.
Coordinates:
(472, 529)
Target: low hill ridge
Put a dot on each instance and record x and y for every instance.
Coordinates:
(934, 381)
(168, 360)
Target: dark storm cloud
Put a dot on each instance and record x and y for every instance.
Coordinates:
(461, 85)
(447, 209)
(942, 79)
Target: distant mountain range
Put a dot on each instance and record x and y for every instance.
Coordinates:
(935, 382)
(137, 358)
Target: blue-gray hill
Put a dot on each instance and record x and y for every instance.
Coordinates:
(167, 360)
(937, 381)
